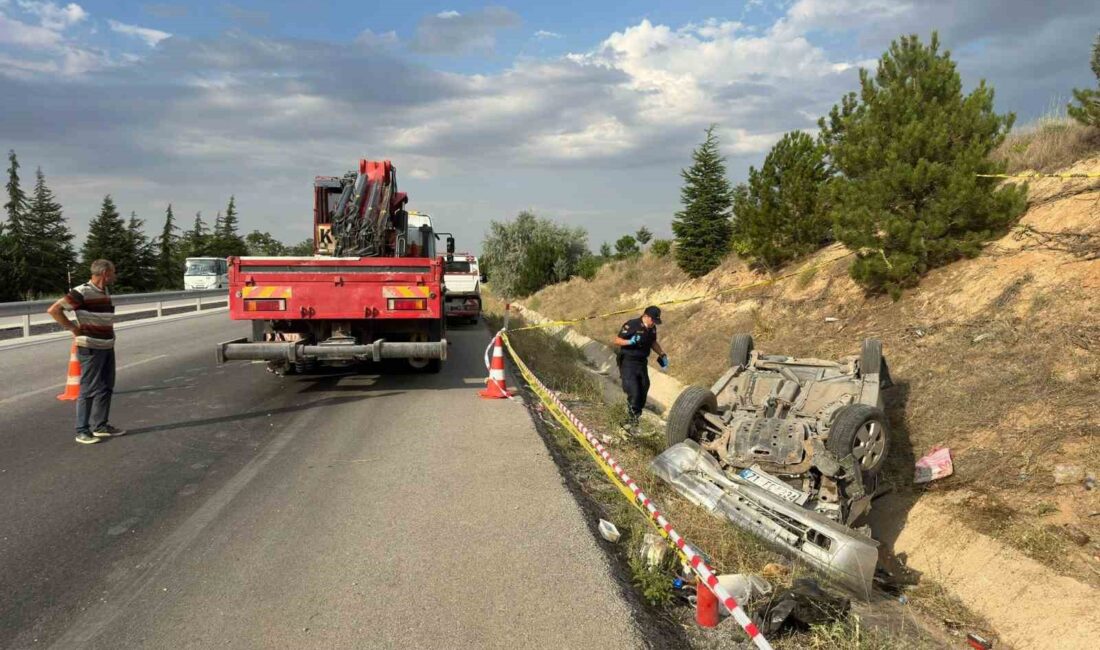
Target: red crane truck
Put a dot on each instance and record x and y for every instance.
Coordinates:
(373, 289)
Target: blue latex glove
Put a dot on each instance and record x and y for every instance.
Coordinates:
(635, 340)
(662, 361)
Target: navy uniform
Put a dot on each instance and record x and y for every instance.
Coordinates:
(633, 361)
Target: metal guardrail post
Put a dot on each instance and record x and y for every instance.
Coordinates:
(26, 325)
(160, 308)
(198, 303)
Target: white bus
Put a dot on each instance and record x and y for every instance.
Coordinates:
(205, 273)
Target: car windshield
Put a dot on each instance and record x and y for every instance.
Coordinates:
(456, 267)
(201, 267)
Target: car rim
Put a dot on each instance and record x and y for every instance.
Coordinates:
(869, 445)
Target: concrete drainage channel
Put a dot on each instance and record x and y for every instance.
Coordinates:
(1008, 589)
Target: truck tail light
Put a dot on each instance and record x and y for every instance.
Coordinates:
(277, 304)
(472, 303)
(402, 304)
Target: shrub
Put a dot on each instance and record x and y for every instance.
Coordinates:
(661, 247)
(531, 252)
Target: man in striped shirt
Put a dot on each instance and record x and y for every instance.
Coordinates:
(94, 335)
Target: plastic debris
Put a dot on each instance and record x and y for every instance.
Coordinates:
(799, 607)
(978, 642)
(743, 587)
(831, 319)
(981, 337)
(653, 550)
(608, 531)
(1066, 474)
(1090, 482)
(936, 464)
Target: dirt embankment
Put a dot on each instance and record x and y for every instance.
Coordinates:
(996, 357)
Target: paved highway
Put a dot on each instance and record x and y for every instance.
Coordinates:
(247, 510)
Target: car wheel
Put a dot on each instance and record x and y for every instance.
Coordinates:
(740, 350)
(684, 419)
(860, 430)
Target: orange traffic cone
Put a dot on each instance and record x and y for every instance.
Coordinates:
(72, 382)
(495, 387)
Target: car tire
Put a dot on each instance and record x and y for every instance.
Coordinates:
(740, 350)
(684, 415)
(860, 430)
(870, 357)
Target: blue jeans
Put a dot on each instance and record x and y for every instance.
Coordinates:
(97, 384)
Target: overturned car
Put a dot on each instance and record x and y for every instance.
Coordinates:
(789, 449)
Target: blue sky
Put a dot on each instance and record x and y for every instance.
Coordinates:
(584, 113)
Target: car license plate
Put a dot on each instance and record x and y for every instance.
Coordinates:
(760, 478)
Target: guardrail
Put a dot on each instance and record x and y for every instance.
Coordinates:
(29, 308)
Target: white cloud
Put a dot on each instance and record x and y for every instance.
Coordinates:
(542, 34)
(370, 37)
(14, 32)
(52, 16)
(150, 36)
(448, 14)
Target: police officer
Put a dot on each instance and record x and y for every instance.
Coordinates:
(635, 339)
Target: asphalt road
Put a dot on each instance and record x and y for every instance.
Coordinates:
(247, 510)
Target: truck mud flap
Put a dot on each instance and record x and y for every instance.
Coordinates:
(243, 350)
(821, 542)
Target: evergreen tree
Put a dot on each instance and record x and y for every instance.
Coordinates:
(169, 263)
(1087, 110)
(141, 271)
(907, 150)
(643, 235)
(605, 250)
(51, 243)
(109, 240)
(227, 241)
(778, 214)
(661, 247)
(196, 243)
(16, 252)
(626, 246)
(702, 228)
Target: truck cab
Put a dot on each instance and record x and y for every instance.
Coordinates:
(462, 287)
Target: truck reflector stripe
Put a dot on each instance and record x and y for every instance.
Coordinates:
(266, 292)
(265, 305)
(407, 292)
(407, 303)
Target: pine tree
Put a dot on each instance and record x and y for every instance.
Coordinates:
(53, 256)
(779, 214)
(605, 250)
(15, 254)
(142, 266)
(702, 228)
(196, 243)
(109, 240)
(643, 235)
(169, 264)
(227, 241)
(1087, 110)
(908, 150)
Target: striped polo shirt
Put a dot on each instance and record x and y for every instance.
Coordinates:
(95, 316)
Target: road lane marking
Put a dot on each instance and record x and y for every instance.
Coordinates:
(47, 389)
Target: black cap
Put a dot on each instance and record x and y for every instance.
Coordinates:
(654, 313)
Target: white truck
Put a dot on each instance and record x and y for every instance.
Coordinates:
(462, 287)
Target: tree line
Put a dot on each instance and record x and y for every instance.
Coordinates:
(895, 174)
(38, 258)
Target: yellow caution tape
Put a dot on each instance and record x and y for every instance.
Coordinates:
(705, 296)
(562, 419)
(1038, 175)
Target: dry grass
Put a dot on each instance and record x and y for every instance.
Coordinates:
(1051, 143)
(728, 549)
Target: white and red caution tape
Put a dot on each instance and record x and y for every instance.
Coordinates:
(694, 559)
